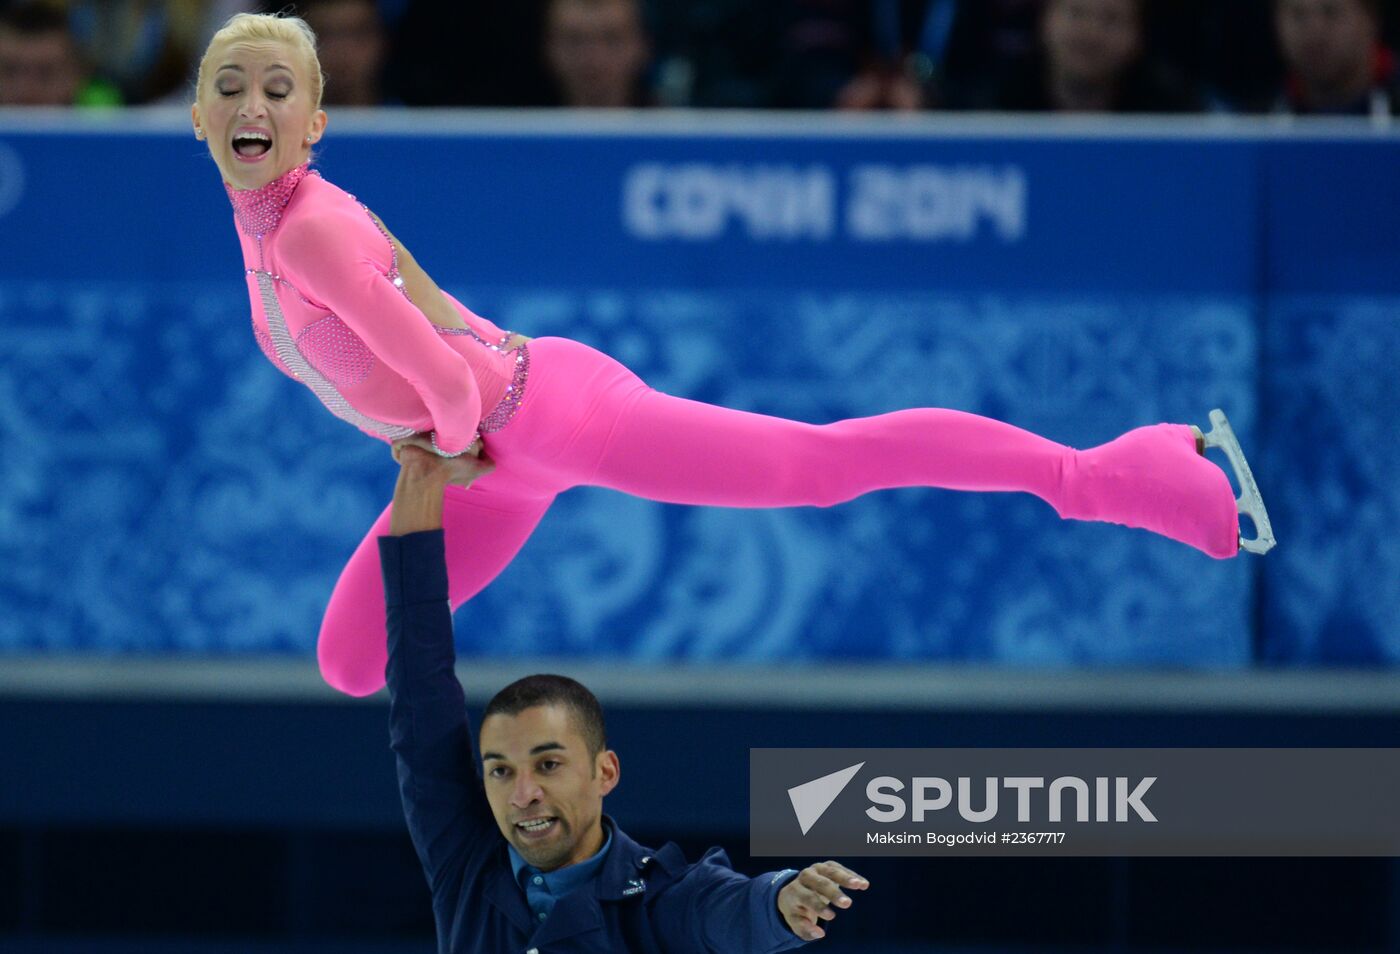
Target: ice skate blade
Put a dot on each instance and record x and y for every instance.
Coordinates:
(1249, 501)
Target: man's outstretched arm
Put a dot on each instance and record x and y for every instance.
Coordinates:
(715, 909)
(428, 728)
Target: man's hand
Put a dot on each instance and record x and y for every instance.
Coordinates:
(422, 477)
(425, 441)
(810, 897)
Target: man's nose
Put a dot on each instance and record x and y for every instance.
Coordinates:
(526, 791)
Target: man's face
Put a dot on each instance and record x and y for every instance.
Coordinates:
(545, 790)
(596, 50)
(37, 70)
(1326, 42)
(1092, 41)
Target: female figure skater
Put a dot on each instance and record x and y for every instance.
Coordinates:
(339, 304)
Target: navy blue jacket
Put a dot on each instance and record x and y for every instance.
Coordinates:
(641, 900)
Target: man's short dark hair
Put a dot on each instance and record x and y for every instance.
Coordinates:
(548, 690)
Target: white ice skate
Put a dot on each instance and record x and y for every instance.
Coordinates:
(1249, 501)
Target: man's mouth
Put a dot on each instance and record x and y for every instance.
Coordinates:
(536, 827)
(251, 146)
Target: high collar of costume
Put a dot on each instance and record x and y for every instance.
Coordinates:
(259, 210)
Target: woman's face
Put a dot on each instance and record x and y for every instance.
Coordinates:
(256, 110)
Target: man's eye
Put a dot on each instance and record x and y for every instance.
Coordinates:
(549, 765)
(277, 94)
(228, 92)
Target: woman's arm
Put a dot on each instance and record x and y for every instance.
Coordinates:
(334, 261)
(440, 307)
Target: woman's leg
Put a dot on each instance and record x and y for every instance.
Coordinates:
(680, 451)
(482, 534)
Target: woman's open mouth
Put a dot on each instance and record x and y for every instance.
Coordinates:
(251, 146)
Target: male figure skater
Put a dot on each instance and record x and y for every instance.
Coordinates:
(517, 851)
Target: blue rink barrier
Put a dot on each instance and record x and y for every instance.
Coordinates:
(167, 491)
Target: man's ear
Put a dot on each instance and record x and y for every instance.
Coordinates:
(608, 770)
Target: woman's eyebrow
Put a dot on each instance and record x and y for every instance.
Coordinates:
(235, 66)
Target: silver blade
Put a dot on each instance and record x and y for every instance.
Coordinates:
(1250, 501)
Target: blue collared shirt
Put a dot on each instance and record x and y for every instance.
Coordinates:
(543, 888)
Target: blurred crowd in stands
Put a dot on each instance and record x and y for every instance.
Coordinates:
(1330, 57)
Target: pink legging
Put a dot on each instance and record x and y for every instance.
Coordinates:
(586, 419)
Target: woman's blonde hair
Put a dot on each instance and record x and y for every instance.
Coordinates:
(293, 31)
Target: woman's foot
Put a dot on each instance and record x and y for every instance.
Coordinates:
(1154, 478)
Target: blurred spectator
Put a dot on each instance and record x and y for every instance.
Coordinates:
(793, 54)
(823, 46)
(848, 54)
(1092, 58)
(40, 64)
(717, 53)
(986, 42)
(352, 43)
(145, 47)
(468, 53)
(1336, 61)
(597, 52)
(1227, 48)
(1239, 63)
(890, 75)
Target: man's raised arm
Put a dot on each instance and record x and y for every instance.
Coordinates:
(429, 733)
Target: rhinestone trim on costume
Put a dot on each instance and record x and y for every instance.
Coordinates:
(336, 351)
(265, 344)
(302, 370)
(432, 439)
(515, 393)
(259, 210)
(444, 330)
(394, 275)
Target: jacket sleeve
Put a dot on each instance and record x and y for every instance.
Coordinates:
(717, 910)
(341, 263)
(444, 802)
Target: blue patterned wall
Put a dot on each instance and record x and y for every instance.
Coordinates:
(167, 491)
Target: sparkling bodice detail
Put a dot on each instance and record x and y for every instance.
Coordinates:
(259, 210)
(331, 310)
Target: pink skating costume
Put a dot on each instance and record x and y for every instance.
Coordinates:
(329, 310)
